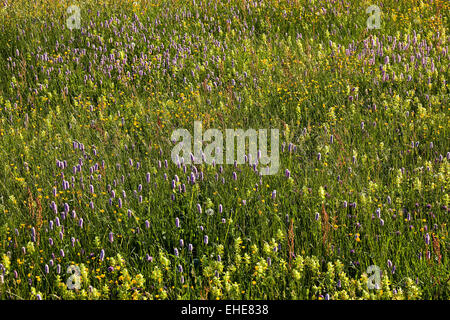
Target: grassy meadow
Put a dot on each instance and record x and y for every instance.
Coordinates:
(93, 207)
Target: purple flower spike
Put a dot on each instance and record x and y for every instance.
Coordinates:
(427, 238)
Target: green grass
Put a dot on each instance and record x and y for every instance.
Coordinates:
(309, 68)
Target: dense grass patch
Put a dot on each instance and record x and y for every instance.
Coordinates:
(86, 176)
